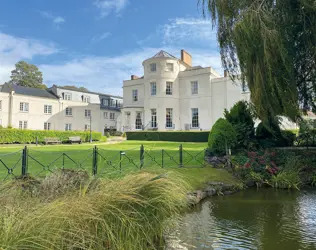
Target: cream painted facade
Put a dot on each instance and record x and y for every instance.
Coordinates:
(23, 109)
(198, 97)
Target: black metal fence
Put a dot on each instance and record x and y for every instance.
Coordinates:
(97, 161)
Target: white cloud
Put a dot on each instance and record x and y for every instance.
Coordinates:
(108, 6)
(57, 20)
(188, 30)
(101, 37)
(13, 49)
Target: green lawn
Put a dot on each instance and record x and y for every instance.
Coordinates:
(114, 160)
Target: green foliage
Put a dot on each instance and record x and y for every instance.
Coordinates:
(115, 133)
(221, 137)
(107, 134)
(168, 136)
(29, 136)
(27, 75)
(241, 118)
(272, 44)
(124, 135)
(257, 178)
(273, 136)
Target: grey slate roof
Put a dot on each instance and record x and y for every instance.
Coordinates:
(163, 53)
(28, 91)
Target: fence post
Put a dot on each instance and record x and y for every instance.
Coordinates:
(121, 152)
(95, 161)
(162, 161)
(63, 161)
(141, 157)
(24, 161)
(181, 156)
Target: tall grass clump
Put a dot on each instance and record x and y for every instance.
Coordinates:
(289, 176)
(130, 213)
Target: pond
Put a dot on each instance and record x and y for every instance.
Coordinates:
(252, 219)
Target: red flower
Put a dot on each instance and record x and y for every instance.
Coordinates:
(247, 165)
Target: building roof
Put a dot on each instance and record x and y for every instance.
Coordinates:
(28, 91)
(88, 92)
(164, 54)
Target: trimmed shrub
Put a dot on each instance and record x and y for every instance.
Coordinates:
(107, 134)
(274, 137)
(8, 136)
(168, 136)
(240, 116)
(116, 133)
(221, 136)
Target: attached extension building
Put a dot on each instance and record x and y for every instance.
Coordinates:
(58, 108)
(174, 95)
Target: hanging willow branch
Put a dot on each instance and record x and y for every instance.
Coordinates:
(271, 45)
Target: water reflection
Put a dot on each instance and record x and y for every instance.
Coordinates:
(263, 219)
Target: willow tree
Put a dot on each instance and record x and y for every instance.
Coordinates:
(270, 45)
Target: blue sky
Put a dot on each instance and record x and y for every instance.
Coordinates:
(99, 43)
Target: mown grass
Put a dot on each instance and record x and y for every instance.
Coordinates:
(43, 160)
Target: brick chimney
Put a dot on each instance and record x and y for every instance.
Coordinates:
(186, 57)
(133, 77)
(225, 73)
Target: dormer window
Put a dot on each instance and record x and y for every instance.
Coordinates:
(153, 67)
(67, 96)
(169, 67)
(106, 102)
(86, 99)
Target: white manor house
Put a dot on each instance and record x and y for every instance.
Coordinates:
(174, 95)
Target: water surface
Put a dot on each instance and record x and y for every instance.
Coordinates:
(253, 219)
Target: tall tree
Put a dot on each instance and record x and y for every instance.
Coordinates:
(271, 45)
(27, 75)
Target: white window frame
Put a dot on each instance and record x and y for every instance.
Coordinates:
(67, 96)
(194, 87)
(153, 88)
(169, 88)
(47, 126)
(87, 113)
(169, 67)
(48, 109)
(22, 124)
(153, 118)
(69, 111)
(68, 127)
(153, 67)
(169, 118)
(195, 119)
(105, 115)
(86, 99)
(138, 121)
(112, 116)
(135, 95)
(24, 107)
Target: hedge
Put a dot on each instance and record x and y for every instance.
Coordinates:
(8, 136)
(180, 136)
